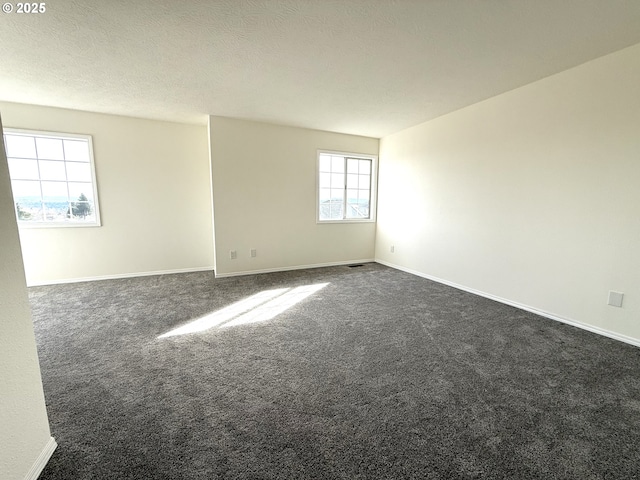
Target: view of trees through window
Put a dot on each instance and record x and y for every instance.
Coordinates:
(51, 177)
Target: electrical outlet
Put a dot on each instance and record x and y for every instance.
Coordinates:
(392, 249)
(615, 299)
(233, 254)
(253, 252)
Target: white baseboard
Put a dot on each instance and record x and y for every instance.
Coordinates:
(119, 275)
(600, 331)
(41, 461)
(296, 267)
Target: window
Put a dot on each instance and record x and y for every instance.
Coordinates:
(346, 187)
(53, 178)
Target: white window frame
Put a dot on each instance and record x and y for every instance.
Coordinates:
(372, 192)
(96, 206)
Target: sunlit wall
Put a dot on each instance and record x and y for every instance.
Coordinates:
(532, 196)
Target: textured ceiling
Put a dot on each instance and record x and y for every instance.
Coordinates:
(368, 67)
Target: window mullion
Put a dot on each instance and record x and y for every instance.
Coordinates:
(344, 199)
(37, 159)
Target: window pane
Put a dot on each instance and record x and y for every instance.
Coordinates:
(49, 148)
(363, 196)
(56, 211)
(52, 170)
(23, 169)
(337, 164)
(325, 180)
(25, 191)
(20, 146)
(29, 211)
(325, 162)
(54, 192)
(82, 211)
(364, 181)
(352, 196)
(337, 180)
(357, 210)
(77, 189)
(352, 210)
(325, 195)
(352, 181)
(336, 211)
(337, 195)
(352, 165)
(325, 211)
(78, 172)
(76, 150)
(365, 166)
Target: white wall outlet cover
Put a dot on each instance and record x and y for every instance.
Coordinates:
(615, 298)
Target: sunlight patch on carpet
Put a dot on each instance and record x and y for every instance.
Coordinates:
(260, 307)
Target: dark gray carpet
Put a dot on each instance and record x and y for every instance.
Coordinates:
(379, 375)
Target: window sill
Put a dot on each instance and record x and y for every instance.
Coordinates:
(27, 226)
(368, 220)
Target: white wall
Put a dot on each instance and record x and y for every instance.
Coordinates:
(264, 187)
(532, 196)
(24, 427)
(154, 192)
